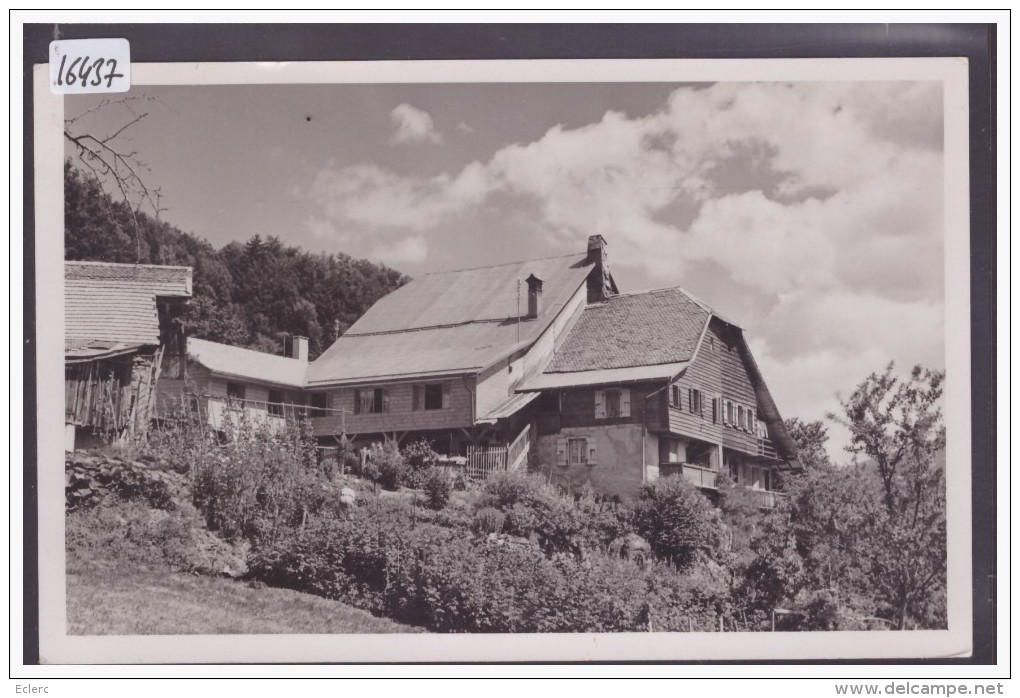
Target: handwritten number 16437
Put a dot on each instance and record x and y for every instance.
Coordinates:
(83, 68)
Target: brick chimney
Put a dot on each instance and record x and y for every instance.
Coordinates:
(297, 348)
(600, 283)
(534, 296)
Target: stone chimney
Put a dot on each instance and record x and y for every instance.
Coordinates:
(600, 283)
(297, 348)
(534, 296)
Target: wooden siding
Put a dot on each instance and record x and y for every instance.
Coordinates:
(400, 415)
(577, 406)
(718, 370)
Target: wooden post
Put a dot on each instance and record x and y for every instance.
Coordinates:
(690, 626)
(722, 628)
(773, 620)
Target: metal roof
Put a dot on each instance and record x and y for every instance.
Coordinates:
(640, 329)
(449, 323)
(117, 302)
(472, 295)
(247, 363)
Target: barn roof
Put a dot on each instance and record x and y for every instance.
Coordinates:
(450, 322)
(632, 330)
(105, 302)
(247, 363)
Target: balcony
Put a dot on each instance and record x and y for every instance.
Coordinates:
(767, 449)
(704, 478)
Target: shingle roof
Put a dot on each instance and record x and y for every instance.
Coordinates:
(449, 322)
(247, 363)
(117, 302)
(640, 329)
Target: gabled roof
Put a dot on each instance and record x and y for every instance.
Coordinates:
(639, 329)
(247, 363)
(117, 302)
(450, 323)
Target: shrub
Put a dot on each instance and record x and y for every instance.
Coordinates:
(386, 466)
(420, 460)
(677, 521)
(259, 482)
(437, 577)
(509, 488)
(488, 520)
(438, 485)
(132, 532)
(89, 479)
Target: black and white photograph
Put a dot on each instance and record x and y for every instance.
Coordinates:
(482, 360)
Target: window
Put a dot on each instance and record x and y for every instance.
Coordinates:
(734, 466)
(672, 451)
(431, 396)
(730, 417)
(614, 403)
(275, 401)
(434, 396)
(319, 404)
(694, 400)
(740, 417)
(767, 476)
(549, 402)
(369, 401)
(674, 395)
(235, 392)
(716, 409)
(575, 451)
(700, 454)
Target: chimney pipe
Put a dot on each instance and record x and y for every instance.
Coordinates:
(299, 348)
(534, 296)
(600, 284)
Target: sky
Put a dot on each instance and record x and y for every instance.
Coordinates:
(810, 214)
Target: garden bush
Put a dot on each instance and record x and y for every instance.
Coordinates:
(91, 478)
(488, 520)
(420, 460)
(134, 533)
(386, 466)
(382, 560)
(438, 485)
(677, 520)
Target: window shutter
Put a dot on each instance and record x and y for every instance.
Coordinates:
(561, 452)
(446, 395)
(690, 400)
(385, 400)
(600, 404)
(591, 451)
(357, 401)
(625, 402)
(416, 397)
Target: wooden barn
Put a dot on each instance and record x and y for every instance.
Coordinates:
(122, 331)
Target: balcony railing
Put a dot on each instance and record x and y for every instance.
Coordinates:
(703, 477)
(767, 449)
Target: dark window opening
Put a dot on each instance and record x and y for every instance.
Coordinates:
(275, 401)
(318, 403)
(235, 392)
(700, 454)
(434, 396)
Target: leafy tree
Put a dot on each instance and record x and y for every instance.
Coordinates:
(897, 424)
(810, 439)
(678, 521)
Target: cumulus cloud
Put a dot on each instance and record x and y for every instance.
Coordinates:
(413, 126)
(818, 208)
(410, 250)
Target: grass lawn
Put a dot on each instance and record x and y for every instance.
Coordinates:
(105, 598)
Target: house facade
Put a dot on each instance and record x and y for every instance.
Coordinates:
(655, 384)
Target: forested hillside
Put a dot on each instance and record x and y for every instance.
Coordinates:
(249, 294)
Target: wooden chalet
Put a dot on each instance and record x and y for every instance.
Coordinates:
(441, 357)
(122, 332)
(654, 384)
